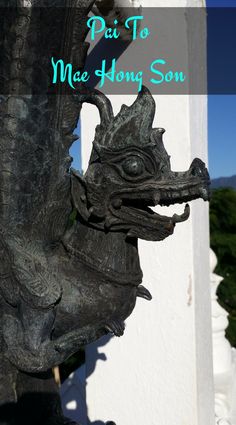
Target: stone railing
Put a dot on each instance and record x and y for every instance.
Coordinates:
(224, 357)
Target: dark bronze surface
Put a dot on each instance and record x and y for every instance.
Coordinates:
(63, 287)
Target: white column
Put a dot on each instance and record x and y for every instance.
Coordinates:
(223, 357)
(160, 371)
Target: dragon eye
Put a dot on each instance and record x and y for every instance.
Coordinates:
(133, 166)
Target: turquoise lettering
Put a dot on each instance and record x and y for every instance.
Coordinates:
(92, 24)
(118, 77)
(157, 72)
(65, 72)
(178, 77)
(134, 20)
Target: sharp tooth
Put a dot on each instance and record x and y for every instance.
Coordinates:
(156, 198)
(179, 218)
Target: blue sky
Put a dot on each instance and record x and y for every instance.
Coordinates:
(222, 135)
(221, 3)
(76, 150)
(222, 108)
(221, 112)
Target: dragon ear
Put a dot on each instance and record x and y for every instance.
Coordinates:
(78, 193)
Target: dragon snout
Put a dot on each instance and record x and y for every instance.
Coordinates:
(198, 169)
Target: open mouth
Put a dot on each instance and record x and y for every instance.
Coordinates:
(139, 220)
(138, 207)
(131, 210)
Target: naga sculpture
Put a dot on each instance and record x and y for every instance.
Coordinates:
(63, 287)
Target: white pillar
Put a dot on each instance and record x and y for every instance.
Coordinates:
(160, 371)
(224, 360)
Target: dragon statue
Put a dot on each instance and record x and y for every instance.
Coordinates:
(62, 287)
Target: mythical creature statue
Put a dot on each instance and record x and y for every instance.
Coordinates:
(63, 287)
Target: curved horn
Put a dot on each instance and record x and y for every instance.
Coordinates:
(98, 99)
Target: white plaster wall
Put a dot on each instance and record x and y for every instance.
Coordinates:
(160, 371)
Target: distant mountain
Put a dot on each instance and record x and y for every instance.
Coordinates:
(224, 182)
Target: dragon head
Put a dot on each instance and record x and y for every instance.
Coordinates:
(129, 172)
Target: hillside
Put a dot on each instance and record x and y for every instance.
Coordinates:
(224, 182)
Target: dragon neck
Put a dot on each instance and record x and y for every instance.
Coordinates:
(111, 254)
